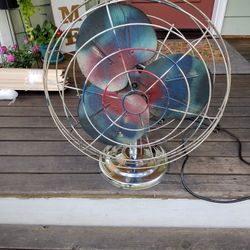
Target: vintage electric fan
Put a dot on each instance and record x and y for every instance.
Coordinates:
(142, 103)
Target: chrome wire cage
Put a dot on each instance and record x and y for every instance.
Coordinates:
(140, 163)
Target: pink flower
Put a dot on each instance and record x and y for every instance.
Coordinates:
(35, 49)
(14, 47)
(26, 41)
(10, 58)
(3, 49)
(59, 33)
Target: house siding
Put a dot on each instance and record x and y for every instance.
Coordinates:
(237, 18)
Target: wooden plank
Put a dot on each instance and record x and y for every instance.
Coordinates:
(65, 237)
(238, 88)
(221, 149)
(29, 111)
(31, 134)
(41, 148)
(24, 100)
(236, 79)
(242, 45)
(49, 148)
(236, 122)
(26, 122)
(48, 164)
(47, 122)
(72, 101)
(232, 101)
(244, 92)
(94, 185)
(85, 165)
(43, 111)
(37, 148)
(43, 237)
(212, 166)
(53, 134)
(238, 83)
(242, 134)
(36, 99)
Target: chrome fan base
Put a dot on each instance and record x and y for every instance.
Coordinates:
(123, 172)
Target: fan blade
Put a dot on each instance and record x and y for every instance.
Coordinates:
(117, 118)
(121, 40)
(178, 72)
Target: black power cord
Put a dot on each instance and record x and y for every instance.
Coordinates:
(201, 197)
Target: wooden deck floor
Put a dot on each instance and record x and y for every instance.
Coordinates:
(36, 161)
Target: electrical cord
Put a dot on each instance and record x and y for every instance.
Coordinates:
(201, 197)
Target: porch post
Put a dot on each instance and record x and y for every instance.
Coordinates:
(219, 13)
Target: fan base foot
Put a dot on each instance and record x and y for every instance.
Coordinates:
(121, 171)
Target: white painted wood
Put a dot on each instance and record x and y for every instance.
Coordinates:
(218, 15)
(124, 212)
(30, 79)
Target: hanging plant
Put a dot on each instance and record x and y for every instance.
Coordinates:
(27, 10)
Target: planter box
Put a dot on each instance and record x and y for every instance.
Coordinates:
(30, 79)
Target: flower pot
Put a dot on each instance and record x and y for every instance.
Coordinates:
(54, 59)
(8, 4)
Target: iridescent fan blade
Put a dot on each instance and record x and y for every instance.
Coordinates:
(134, 32)
(122, 119)
(178, 73)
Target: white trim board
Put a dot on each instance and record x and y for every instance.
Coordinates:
(124, 212)
(218, 15)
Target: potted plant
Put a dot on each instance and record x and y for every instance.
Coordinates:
(24, 57)
(8, 4)
(42, 37)
(27, 9)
